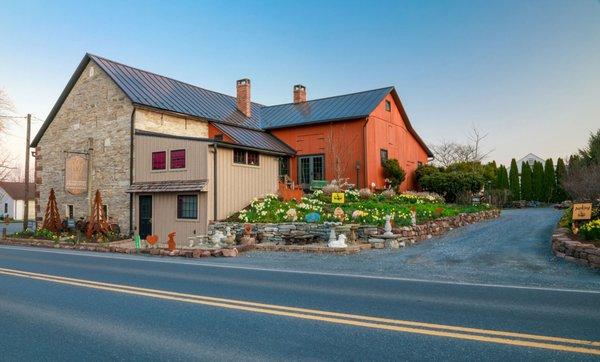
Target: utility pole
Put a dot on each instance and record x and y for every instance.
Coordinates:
(26, 198)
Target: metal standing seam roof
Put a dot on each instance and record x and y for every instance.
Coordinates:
(347, 106)
(255, 138)
(168, 186)
(148, 89)
(157, 91)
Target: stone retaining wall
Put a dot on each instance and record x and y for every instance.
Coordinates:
(563, 246)
(276, 233)
(127, 247)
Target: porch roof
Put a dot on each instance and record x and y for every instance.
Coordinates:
(168, 186)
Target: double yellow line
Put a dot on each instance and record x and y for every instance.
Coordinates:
(431, 329)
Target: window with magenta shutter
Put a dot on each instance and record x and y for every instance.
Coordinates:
(159, 160)
(177, 159)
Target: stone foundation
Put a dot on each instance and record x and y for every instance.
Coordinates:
(564, 246)
(278, 233)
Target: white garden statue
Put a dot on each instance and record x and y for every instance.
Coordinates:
(340, 242)
(388, 226)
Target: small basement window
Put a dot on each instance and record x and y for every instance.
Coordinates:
(187, 207)
(388, 106)
(159, 160)
(177, 159)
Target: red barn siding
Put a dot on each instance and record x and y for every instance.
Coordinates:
(314, 139)
(387, 130)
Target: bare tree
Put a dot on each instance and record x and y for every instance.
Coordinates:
(583, 182)
(446, 153)
(340, 149)
(6, 110)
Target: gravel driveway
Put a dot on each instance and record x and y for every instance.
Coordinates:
(514, 249)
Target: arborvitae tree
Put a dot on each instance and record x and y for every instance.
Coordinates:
(502, 180)
(526, 182)
(515, 188)
(537, 182)
(561, 174)
(549, 181)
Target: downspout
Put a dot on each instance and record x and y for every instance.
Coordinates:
(366, 183)
(215, 182)
(131, 138)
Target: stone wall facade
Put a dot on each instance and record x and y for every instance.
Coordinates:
(564, 246)
(95, 108)
(277, 233)
(151, 121)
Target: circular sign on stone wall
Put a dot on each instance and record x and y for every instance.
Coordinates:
(76, 175)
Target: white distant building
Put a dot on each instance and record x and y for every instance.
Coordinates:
(12, 200)
(530, 159)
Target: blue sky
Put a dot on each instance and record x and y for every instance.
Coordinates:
(527, 72)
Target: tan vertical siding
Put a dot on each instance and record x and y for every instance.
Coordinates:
(237, 184)
(195, 159)
(164, 217)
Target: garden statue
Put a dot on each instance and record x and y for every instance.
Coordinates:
(247, 239)
(388, 226)
(229, 237)
(171, 241)
(217, 237)
(339, 213)
(312, 217)
(413, 217)
(152, 239)
(332, 236)
(191, 241)
(291, 215)
(340, 242)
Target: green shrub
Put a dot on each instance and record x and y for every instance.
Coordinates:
(590, 230)
(393, 172)
(451, 184)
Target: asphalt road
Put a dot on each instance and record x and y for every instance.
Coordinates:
(45, 317)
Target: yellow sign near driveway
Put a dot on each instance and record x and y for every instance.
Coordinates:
(582, 211)
(338, 198)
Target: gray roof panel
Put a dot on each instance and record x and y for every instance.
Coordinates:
(153, 90)
(255, 139)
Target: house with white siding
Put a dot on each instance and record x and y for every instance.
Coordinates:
(12, 200)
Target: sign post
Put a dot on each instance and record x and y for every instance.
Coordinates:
(581, 211)
(338, 198)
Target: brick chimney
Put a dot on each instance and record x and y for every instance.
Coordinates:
(299, 93)
(243, 97)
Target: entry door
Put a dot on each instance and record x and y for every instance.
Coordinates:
(145, 215)
(310, 168)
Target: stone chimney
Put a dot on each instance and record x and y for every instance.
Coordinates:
(299, 93)
(243, 97)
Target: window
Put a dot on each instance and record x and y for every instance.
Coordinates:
(105, 211)
(70, 212)
(253, 158)
(159, 160)
(6, 208)
(219, 137)
(177, 159)
(187, 207)
(284, 166)
(388, 106)
(239, 156)
(246, 157)
(419, 163)
(383, 154)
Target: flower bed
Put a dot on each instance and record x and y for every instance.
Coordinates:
(371, 210)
